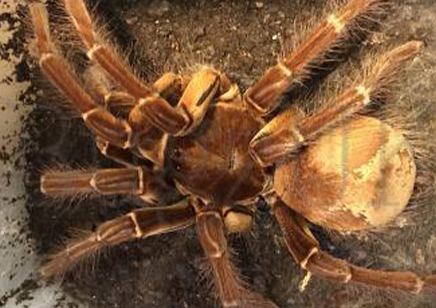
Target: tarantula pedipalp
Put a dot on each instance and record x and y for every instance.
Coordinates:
(215, 145)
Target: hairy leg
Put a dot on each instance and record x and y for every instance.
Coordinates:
(289, 131)
(210, 230)
(135, 181)
(140, 223)
(265, 95)
(307, 253)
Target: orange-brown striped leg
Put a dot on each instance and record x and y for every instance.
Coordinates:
(264, 96)
(169, 89)
(151, 141)
(97, 84)
(286, 133)
(100, 121)
(210, 230)
(122, 156)
(307, 253)
(119, 101)
(196, 98)
(152, 107)
(141, 223)
(152, 146)
(190, 110)
(102, 53)
(169, 86)
(135, 181)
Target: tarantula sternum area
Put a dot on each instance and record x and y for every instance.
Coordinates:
(214, 163)
(211, 145)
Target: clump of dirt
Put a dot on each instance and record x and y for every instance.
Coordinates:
(242, 38)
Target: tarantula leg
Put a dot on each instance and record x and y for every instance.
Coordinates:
(135, 181)
(169, 88)
(102, 53)
(140, 223)
(171, 120)
(151, 140)
(152, 107)
(210, 230)
(286, 134)
(101, 90)
(307, 253)
(119, 100)
(264, 96)
(229, 91)
(119, 155)
(191, 108)
(153, 145)
(54, 67)
(272, 142)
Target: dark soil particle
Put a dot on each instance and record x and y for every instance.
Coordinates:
(242, 38)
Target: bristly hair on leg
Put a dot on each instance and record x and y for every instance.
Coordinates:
(53, 98)
(351, 21)
(372, 84)
(80, 249)
(72, 195)
(60, 262)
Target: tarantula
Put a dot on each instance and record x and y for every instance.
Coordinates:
(337, 168)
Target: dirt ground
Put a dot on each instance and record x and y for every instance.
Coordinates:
(242, 38)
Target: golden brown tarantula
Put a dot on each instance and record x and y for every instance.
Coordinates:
(336, 167)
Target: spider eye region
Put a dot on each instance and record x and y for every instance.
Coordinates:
(356, 176)
(214, 162)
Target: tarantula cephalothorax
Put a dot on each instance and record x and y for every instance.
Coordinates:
(222, 155)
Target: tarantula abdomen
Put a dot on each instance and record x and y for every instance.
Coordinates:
(356, 176)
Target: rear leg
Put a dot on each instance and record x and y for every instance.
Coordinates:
(230, 289)
(140, 223)
(307, 253)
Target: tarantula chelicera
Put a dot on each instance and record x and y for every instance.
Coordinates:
(338, 167)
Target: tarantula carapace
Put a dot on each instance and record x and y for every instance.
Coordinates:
(337, 167)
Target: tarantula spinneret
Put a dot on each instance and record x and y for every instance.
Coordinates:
(222, 154)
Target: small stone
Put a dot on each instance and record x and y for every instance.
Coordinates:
(132, 21)
(420, 257)
(259, 4)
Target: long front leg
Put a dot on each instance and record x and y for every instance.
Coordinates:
(153, 110)
(265, 95)
(54, 66)
(307, 253)
(190, 110)
(152, 107)
(289, 131)
(137, 224)
(210, 230)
